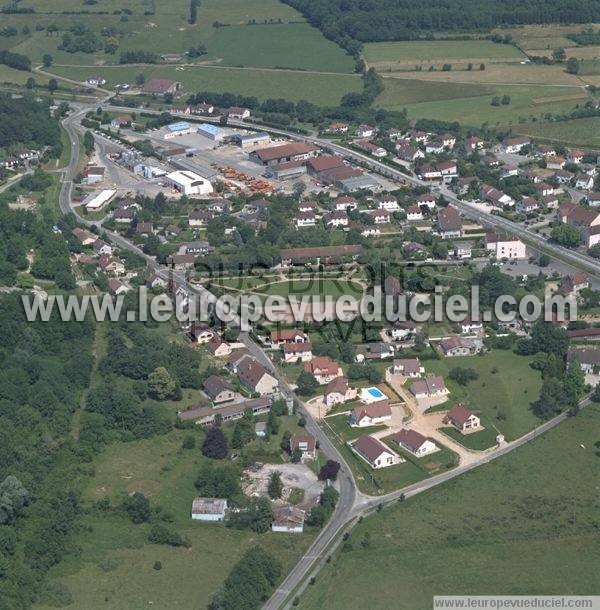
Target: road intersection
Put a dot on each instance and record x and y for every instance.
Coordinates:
(352, 503)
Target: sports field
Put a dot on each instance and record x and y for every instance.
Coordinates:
(295, 85)
(516, 526)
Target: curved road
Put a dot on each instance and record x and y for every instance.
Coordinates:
(352, 503)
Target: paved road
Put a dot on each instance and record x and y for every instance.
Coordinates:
(352, 503)
(578, 259)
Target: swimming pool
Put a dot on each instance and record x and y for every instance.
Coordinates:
(372, 394)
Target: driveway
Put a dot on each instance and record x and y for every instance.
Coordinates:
(427, 424)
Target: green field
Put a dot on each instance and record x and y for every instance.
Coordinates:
(261, 33)
(317, 286)
(578, 132)
(503, 397)
(263, 84)
(115, 567)
(400, 91)
(296, 46)
(526, 102)
(438, 50)
(524, 524)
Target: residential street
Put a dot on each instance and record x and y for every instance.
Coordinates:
(352, 503)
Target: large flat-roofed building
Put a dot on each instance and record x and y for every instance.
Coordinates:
(252, 140)
(98, 200)
(189, 183)
(212, 132)
(319, 254)
(177, 129)
(292, 151)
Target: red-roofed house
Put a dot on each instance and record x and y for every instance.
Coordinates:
(462, 419)
(413, 441)
(337, 392)
(307, 443)
(374, 452)
(371, 415)
(323, 368)
(294, 352)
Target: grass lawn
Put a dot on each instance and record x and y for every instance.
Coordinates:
(524, 524)
(419, 51)
(384, 480)
(502, 398)
(317, 88)
(579, 132)
(316, 286)
(477, 441)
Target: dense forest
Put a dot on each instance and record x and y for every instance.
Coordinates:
(28, 122)
(350, 22)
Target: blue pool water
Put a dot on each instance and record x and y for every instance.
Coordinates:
(375, 393)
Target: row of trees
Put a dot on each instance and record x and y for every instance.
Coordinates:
(351, 22)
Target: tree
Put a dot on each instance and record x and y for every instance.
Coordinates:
(30, 84)
(275, 487)
(47, 60)
(257, 516)
(559, 54)
(162, 534)
(160, 384)
(272, 423)
(463, 375)
(574, 385)
(137, 507)
(495, 101)
(52, 85)
(505, 101)
(307, 384)
(13, 497)
(88, 142)
(218, 481)
(573, 65)
(296, 456)
(544, 260)
(566, 235)
(215, 444)
(329, 470)
(482, 67)
(285, 441)
(552, 399)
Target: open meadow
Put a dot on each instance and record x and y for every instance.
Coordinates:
(263, 84)
(502, 393)
(115, 566)
(526, 522)
(383, 55)
(263, 33)
(525, 103)
(578, 132)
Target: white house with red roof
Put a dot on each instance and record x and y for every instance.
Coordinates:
(374, 452)
(462, 419)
